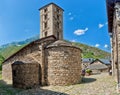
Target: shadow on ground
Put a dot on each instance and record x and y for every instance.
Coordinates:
(88, 80)
(40, 92)
(7, 89)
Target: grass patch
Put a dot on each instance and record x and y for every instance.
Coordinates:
(0, 75)
(7, 89)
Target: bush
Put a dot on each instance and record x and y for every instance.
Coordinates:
(1, 60)
(88, 71)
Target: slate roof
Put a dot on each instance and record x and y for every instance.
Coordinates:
(59, 43)
(105, 61)
(50, 4)
(102, 65)
(97, 66)
(87, 60)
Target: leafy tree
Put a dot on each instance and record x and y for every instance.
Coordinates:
(1, 60)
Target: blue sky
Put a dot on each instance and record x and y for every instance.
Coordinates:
(85, 21)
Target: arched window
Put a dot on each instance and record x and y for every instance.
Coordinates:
(45, 25)
(58, 17)
(45, 10)
(58, 25)
(57, 35)
(45, 16)
(46, 34)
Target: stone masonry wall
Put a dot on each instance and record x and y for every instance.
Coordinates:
(64, 65)
(26, 75)
(29, 54)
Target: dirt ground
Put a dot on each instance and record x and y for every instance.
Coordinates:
(101, 84)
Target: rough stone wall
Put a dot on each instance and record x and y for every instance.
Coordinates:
(29, 54)
(26, 75)
(64, 65)
(7, 73)
(118, 50)
(53, 18)
(114, 53)
(116, 35)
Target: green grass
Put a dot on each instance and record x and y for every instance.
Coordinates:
(8, 51)
(91, 52)
(0, 75)
(7, 89)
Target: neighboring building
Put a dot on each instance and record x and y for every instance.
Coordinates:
(113, 10)
(46, 61)
(98, 66)
(86, 62)
(106, 62)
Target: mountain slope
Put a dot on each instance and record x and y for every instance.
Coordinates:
(92, 52)
(87, 51)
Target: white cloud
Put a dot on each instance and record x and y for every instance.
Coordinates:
(18, 45)
(100, 25)
(106, 46)
(80, 31)
(69, 13)
(97, 45)
(71, 18)
(73, 40)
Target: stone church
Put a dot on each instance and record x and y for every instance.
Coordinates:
(49, 60)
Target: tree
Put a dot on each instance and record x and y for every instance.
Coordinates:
(1, 60)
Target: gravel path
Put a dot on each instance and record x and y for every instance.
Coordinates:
(101, 84)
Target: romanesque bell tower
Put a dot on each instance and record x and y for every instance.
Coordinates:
(51, 21)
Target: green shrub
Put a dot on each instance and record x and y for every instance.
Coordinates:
(88, 71)
(1, 60)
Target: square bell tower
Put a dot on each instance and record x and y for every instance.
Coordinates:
(51, 21)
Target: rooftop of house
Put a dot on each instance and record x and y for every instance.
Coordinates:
(91, 60)
(104, 61)
(51, 4)
(97, 66)
(87, 60)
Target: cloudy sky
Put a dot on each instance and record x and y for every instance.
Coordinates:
(85, 21)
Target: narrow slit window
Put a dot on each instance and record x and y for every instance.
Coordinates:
(45, 10)
(45, 16)
(45, 25)
(46, 34)
(58, 17)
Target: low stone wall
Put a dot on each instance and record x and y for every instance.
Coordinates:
(64, 65)
(7, 73)
(26, 75)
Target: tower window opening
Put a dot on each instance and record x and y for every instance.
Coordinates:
(58, 17)
(45, 16)
(45, 25)
(58, 35)
(45, 10)
(46, 34)
(58, 25)
(57, 10)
